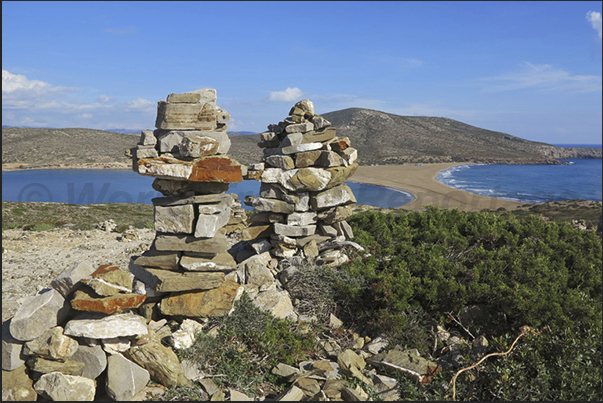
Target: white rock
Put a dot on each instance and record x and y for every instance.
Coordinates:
(106, 327)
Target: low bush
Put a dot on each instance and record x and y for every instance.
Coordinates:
(250, 342)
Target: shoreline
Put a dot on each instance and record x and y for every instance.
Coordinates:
(421, 182)
(92, 165)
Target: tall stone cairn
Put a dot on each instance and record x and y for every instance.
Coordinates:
(303, 197)
(186, 270)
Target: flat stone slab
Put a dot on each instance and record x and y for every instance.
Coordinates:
(294, 230)
(199, 199)
(221, 262)
(160, 260)
(214, 168)
(170, 281)
(87, 301)
(189, 243)
(101, 326)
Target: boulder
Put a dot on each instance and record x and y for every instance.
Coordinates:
(184, 337)
(94, 359)
(294, 230)
(66, 282)
(52, 345)
(124, 378)
(280, 161)
(262, 204)
(161, 362)
(160, 260)
(147, 138)
(38, 314)
(185, 116)
(174, 219)
(277, 303)
(339, 195)
(17, 386)
(215, 302)
(109, 280)
(12, 349)
(44, 366)
(211, 218)
(60, 387)
(198, 146)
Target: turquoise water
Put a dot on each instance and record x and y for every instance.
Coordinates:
(89, 186)
(580, 179)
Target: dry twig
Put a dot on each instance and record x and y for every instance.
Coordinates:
(524, 330)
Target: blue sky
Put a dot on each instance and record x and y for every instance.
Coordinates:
(531, 69)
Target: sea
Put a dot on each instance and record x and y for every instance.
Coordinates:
(579, 179)
(96, 186)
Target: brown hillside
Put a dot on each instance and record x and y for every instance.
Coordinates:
(387, 138)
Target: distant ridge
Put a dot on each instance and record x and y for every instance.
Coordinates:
(387, 138)
(381, 138)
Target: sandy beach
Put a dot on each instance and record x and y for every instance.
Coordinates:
(421, 182)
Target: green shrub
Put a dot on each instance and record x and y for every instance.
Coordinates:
(83, 227)
(121, 228)
(39, 226)
(10, 225)
(441, 261)
(144, 224)
(249, 344)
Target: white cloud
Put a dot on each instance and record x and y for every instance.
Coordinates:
(542, 76)
(289, 95)
(19, 91)
(595, 19)
(27, 102)
(104, 99)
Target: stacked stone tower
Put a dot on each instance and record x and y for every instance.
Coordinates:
(188, 262)
(303, 195)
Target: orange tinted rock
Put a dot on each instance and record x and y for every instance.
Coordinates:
(216, 168)
(215, 302)
(84, 301)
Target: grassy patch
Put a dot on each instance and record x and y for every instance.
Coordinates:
(27, 215)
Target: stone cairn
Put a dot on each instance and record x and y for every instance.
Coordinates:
(109, 322)
(303, 197)
(188, 264)
(109, 329)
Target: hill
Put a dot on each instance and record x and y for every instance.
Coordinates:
(387, 138)
(34, 147)
(381, 138)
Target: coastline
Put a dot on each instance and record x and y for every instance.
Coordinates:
(93, 165)
(421, 182)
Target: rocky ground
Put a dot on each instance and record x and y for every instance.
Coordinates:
(31, 259)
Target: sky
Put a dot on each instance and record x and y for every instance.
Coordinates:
(530, 69)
